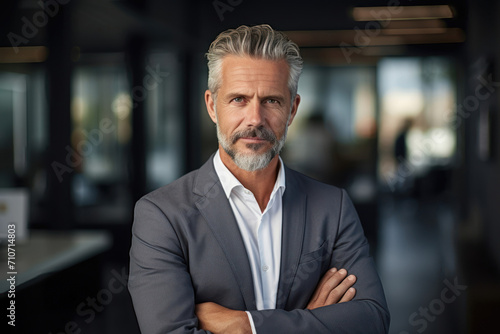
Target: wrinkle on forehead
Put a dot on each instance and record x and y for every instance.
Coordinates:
(254, 74)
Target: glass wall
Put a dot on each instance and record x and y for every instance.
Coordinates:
(416, 137)
(102, 106)
(164, 129)
(7, 127)
(23, 131)
(100, 111)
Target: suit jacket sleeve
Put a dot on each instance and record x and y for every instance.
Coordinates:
(366, 313)
(159, 281)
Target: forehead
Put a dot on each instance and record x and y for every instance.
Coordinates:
(254, 73)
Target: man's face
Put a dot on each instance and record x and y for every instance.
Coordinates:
(252, 110)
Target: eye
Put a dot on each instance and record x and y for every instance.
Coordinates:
(237, 100)
(272, 101)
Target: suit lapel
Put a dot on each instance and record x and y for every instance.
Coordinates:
(294, 214)
(215, 208)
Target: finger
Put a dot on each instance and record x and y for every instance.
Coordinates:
(333, 281)
(330, 285)
(348, 295)
(322, 282)
(338, 292)
(330, 281)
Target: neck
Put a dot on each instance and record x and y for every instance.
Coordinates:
(260, 182)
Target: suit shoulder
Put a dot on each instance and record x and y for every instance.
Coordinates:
(314, 187)
(179, 191)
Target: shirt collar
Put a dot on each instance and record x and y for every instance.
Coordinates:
(229, 181)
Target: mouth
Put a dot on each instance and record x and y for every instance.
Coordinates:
(253, 139)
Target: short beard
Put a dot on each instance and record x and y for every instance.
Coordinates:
(252, 162)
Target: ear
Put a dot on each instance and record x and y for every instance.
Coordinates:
(295, 107)
(210, 103)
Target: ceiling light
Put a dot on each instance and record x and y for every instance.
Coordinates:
(25, 54)
(336, 38)
(389, 13)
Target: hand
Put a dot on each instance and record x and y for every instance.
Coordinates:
(333, 288)
(219, 319)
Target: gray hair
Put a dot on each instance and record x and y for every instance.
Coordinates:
(261, 42)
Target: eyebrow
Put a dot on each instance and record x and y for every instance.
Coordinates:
(278, 97)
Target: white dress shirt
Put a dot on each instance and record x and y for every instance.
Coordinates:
(260, 230)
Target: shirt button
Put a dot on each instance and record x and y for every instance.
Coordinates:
(247, 192)
(265, 268)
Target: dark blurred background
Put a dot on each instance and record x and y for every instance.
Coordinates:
(101, 101)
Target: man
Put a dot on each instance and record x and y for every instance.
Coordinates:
(244, 244)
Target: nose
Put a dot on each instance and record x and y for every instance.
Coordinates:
(255, 114)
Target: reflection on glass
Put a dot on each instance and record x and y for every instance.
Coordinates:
(101, 110)
(416, 137)
(164, 121)
(13, 124)
(6, 138)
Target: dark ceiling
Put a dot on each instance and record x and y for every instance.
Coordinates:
(107, 25)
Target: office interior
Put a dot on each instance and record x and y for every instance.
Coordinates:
(101, 101)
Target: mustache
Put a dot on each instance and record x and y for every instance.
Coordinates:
(261, 132)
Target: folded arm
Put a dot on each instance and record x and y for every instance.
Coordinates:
(333, 288)
(331, 309)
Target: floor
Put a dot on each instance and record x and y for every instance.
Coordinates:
(417, 263)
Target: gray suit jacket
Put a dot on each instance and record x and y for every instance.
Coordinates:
(187, 249)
